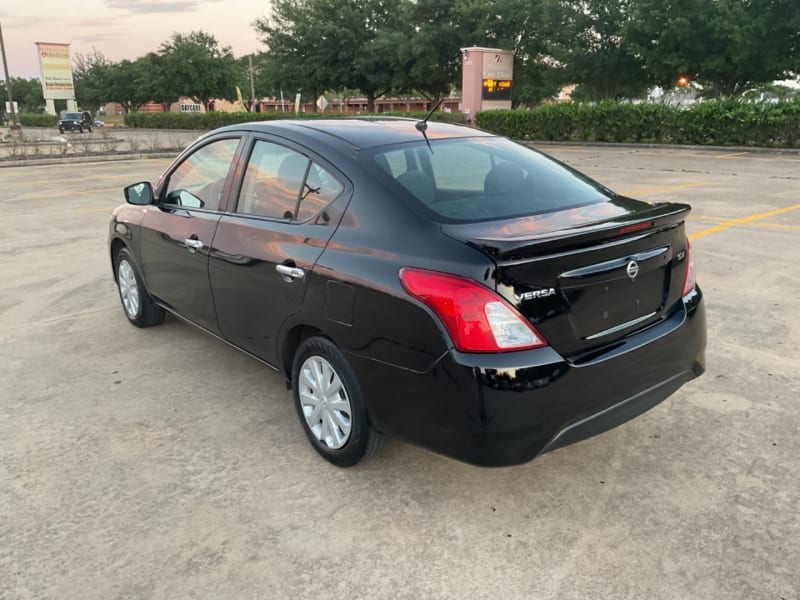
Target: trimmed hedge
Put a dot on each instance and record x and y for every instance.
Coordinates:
(728, 122)
(37, 120)
(212, 120)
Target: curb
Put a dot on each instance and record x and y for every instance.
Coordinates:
(34, 162)
(60, 160)
(632, 146)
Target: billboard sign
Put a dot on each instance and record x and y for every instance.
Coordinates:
(498, 65)
(56, 69)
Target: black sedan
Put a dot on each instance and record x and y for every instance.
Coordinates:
(433, 282)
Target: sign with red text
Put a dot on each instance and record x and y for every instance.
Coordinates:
(56, 69)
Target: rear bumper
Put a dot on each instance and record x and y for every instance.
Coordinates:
(504, 409)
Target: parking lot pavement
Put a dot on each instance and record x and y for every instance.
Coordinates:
(161, 463)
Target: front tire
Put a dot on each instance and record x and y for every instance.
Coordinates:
(330, 405)
(138, 305)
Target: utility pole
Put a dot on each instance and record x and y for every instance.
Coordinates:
(250, 70)
(14, 124)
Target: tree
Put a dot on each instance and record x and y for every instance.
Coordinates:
(293, 60)
(726, 45)
(90, 73)
(588, 40)
(420, 51)
(123, 85)
(197, 67)
(316, 45)
(526, 27)
(27, 94)
(154, 81)
(261, 81)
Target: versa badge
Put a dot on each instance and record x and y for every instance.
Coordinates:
(535, 294)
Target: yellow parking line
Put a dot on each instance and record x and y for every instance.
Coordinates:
(96, 177)
(56, 195)
(762, 225)
(667, 188)
(96, 209)
(704, 218)
(732, 155)
(733, 222)
(775, 226)
(86, 178)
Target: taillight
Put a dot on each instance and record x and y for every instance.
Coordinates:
(689, 277)
(477, 319)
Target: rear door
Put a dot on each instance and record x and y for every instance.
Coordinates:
(264, 250)
(177, 233)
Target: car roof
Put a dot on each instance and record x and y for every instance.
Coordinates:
(362, 132)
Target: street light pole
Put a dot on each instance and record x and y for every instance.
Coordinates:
(14, 124)
(250, 72)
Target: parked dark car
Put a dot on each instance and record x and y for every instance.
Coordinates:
(75, 121)
(447, 286)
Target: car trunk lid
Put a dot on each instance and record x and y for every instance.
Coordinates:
(587, 276)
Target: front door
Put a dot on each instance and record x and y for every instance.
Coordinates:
(177, 234)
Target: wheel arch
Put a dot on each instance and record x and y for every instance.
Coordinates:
(116, 245)
(291, 342)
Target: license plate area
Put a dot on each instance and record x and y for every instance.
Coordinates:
(613, 296)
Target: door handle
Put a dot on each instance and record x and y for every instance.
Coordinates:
(290, 272)
(194, 244)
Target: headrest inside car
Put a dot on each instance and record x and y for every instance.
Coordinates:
(505, 178)
(420, 184)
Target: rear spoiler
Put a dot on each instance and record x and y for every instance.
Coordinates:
(525, 237)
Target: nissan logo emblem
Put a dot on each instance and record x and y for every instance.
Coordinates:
(632, 269)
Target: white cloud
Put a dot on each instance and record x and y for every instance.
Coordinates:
(159, 6)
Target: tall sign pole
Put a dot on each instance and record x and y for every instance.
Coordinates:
(14, 123)
(56, 68)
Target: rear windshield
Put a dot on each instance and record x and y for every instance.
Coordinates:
(481, 179)
(73, 115)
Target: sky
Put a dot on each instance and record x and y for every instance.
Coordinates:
(121, 29)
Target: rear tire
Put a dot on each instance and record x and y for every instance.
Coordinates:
(330, 405)
(138, 305)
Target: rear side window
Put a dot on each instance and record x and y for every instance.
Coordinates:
(319, 190)
(480, 179)
(283, 184)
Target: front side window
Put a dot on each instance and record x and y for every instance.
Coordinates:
(199, 180)
(482, 179)
(283, 184)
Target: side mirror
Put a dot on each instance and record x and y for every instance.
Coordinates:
(140, 194)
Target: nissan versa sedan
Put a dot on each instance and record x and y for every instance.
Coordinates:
(429, 281)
